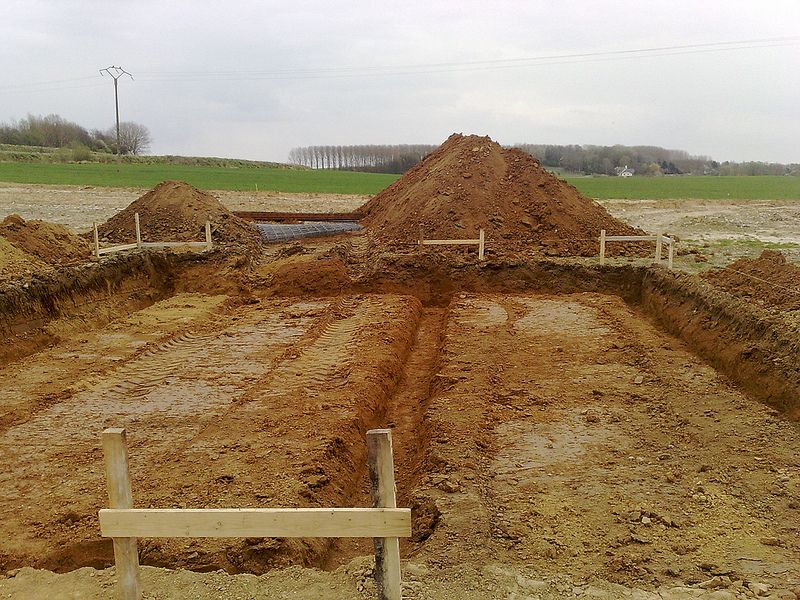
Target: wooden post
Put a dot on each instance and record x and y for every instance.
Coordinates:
(658, 248)
(669, 258)
(138, 230)
(96, 241)
(118, 480)
(481, 239)
(602, 246)
(381, 477)
(209, 244)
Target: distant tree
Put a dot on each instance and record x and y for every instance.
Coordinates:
(134, 138)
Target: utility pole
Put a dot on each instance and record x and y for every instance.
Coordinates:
(116, 73)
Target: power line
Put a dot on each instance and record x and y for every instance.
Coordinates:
(354, 71)
(423, 68)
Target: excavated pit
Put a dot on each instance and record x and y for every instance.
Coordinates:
(506, 384)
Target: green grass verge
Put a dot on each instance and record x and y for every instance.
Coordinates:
(209, 178)
(248, 177)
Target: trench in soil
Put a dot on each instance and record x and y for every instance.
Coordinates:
(510, 406)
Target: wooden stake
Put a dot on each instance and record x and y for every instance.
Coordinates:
(602, 246)
(138, 230)
(381, 476)
(658, 248)
(481, 239)
(118, 480)
(669, 258)
(209, 244)
(96, 241)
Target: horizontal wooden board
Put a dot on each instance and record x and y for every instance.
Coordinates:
(256, 522)
(117, 248)
(172, 244)
(448, 242)
(637, 238)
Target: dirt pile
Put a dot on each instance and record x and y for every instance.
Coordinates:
(471, 182)
(176, 211)
(14, 262)
(54, 244)
(768, 280)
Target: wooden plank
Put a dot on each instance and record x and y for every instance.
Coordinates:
(481, 244)
(602, 246)
(209, 244)
(118, 481)
(173, 244)
(670, 255)
(138, 230)
(120, 248)
(658, 248)
(447, 242)
(381, 476)
(256, 522)
(631, 238)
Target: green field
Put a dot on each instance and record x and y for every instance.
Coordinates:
(209, 178)
(346, 182)
(711, 188)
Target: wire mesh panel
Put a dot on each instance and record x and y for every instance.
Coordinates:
(278, 232)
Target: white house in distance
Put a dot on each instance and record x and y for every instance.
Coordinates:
(625, 171)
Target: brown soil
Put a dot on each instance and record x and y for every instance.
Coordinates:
(51, 243)
(561, 429)
(14, 262)
(768, 280)
(177, 211)
(471, 182)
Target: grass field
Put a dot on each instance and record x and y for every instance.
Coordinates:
(346, 182)
(210, 178)
(710, 188)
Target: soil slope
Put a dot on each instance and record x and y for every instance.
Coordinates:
(49, 242)
(14, 262)
(177, 211)
(471, 182)
(768, 280)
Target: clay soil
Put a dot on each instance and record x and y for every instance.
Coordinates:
(551, 444)
(552, 438)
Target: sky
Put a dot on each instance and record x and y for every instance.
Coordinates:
(253, 79)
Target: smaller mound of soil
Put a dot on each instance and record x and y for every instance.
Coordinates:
(769, 280)
(54, 244)
(14, 262)
(175, 211)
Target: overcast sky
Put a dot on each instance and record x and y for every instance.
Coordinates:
(254, 79)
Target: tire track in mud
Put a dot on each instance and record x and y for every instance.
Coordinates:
(166, 394)
(297, 437)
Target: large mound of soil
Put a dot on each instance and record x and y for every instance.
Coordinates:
(49, 242)
(175, 211)
(768, 280)
(471, 182)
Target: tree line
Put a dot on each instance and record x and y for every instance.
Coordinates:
(645, 160)
(583, 159)
(53, 131)
(397, 158)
